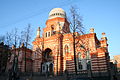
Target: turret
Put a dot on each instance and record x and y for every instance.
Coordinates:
(104, 40)
(13, 46)
(104, 36)
(91, 30)
(56, 23)
(38, 32)
(22, 45)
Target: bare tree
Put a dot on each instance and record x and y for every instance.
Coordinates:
(76, 21)
(18, 39)
(9, 39)
(26, 40)
(15, 37)
(12, 38)
(76, 26)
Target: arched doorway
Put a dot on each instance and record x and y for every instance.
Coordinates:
(47, 54)
(51, 67)
(47, 66)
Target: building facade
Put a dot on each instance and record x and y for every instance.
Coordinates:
(54, 51)
(18, 59)
(4, 54)
(117, 60)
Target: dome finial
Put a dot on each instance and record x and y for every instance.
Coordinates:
(104, 36)
(91, 30)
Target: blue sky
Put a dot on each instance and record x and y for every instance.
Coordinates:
(103, 15)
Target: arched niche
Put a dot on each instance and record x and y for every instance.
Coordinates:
(66, 50)
(47, 55)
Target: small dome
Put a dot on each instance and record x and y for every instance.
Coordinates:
(57, 12)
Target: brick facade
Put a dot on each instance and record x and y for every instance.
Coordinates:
(20, 53)
(53, 52)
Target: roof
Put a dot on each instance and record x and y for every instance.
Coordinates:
(57, 12)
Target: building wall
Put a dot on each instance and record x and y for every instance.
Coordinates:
(20, 52)
(61, 45)
(4, 54)
(117, 59)
(65, 61)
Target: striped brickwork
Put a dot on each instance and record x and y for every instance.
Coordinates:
(70, 66)
(65, 61)
(37, 65)
(57, 38)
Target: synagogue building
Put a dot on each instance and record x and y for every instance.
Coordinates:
(53, 52)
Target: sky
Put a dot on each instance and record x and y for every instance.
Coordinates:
(102, 15)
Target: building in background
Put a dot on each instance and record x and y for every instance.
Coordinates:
(20, 53)
(53, 52)
(4, 54)
(117, 60)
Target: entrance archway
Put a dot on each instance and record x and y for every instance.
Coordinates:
(47, 55)
(47, 66)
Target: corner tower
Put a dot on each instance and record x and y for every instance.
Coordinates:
(56, 23)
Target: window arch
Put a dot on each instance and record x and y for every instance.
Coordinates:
(47, 53)
(52, 30)
(88, 55)
(65, 55)
(84, 63)
(79, 56)
(46, 34)
(80, 66)
(66, 49)
(88, 64)
(52, 27)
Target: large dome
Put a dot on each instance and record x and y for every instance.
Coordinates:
(57, 12)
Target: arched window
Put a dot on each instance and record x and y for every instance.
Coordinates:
(88, 58)
(51, 67)
(52, 30)
(80, 65)
(66, 49)
(88, 65)
(79, 56)
(87, 55)
(84, 63)
(46, 34)
(52, 27)
(48, 53)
